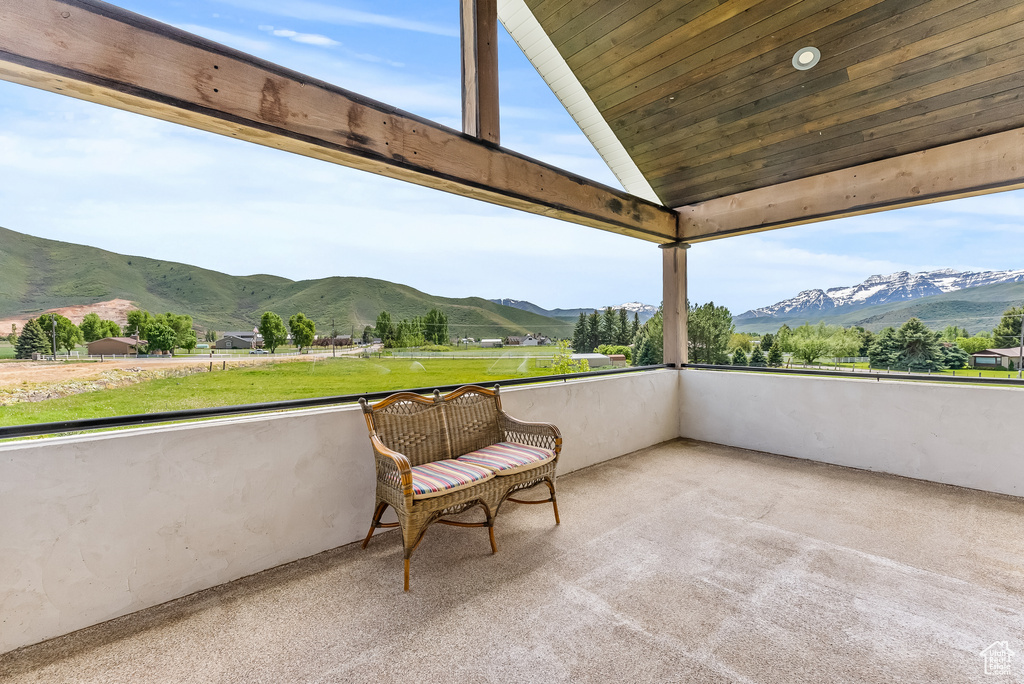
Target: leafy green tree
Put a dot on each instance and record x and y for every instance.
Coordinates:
(110, 329)
(954, 357)
(919, 347)
(650, 344)
(189, 342)
(13, 337)
(811, 342)
(623, 334)
(579, 334)
(784, 336)
(435, 327)
(272, 329)
(210, 336)
(884, 352)
(563, 362)
(181, 324)
(1007, 333)
(742, 341)
(138, 323)
(952, 332)
(385, 329)
(757, 358)
(775, 355)
(69, 335)
(161, 337)
(367, 335)
(609, 349)
(709, 330)
(739, 358)
(92, 327)
(31, 341)
(303, 330)
(973, 345)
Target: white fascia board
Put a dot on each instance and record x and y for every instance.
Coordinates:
(538, 48)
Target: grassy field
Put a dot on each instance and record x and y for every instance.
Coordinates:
(271, 382)
(960, 372)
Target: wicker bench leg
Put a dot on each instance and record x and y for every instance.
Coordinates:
(375, 523)
(552, 500)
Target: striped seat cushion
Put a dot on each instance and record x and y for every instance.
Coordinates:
(442, 477)
(506, 458)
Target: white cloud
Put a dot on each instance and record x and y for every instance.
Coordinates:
(332, 14)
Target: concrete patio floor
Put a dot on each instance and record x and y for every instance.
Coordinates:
(685, 561)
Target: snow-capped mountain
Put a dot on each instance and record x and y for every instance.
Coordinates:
(879, 289)
(645, 311)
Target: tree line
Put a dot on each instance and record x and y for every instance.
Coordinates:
(51, 332)
(412, 332)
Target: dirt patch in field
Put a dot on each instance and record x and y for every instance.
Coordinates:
(114, 310)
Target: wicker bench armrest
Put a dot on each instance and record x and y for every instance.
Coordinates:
(543, 435)
(393, 466)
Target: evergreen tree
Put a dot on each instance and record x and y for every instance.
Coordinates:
(775, 355)
(884, 352)
(579, 334)
(919, 347)
(435, 327)
(954, 357)
(622, 330)
(32, 340)
(636, 327)
(766, 342)
(609, 326)
(757, 358)
(709, 330)
(739, 358)
(650, 343)
(1007, 333)
(593, 332)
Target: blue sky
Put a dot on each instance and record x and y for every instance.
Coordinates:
(82, 173)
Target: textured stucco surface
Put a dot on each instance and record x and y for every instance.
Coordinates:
(99, 526)
(683, 562)
(956, 434)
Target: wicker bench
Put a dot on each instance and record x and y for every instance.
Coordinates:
(442, 455)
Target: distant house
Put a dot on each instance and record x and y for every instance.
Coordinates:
(115, 346)
(996, 358)
(240, 340)
(491, 343)
(513, 341)
(535, 340)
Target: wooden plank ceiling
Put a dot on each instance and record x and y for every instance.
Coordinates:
(704, 97)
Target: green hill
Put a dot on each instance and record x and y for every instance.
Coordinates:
(975, 308)
(38, 274)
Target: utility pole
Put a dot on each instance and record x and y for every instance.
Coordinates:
(334, 336)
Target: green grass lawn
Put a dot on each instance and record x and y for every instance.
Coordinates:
(271, 382)
(6, 351)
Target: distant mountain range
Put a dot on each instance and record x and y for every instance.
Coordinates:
(38, 274)
(883, 289)
(645, 311)
(974, 300)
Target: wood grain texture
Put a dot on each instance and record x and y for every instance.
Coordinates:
(992, 163)
(97, 52)
(704, 98)
(479, 30)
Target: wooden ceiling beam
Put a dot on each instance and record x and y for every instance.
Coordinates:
(991, 163)
(101, 53)
(479, 29)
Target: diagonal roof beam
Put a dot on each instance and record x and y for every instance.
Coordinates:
(101, 53)
(991, 163)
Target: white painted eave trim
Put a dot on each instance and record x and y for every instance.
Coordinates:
(538, 48)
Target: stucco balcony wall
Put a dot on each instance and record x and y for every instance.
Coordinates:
(951, 433)
(99, 526)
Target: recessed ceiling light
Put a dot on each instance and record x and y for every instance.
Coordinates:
(805, 58)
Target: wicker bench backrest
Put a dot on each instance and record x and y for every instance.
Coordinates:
(472, 414)
(414, 426)
(434, 428)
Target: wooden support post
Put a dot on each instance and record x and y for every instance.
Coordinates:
(479, 21)
(676, 339)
